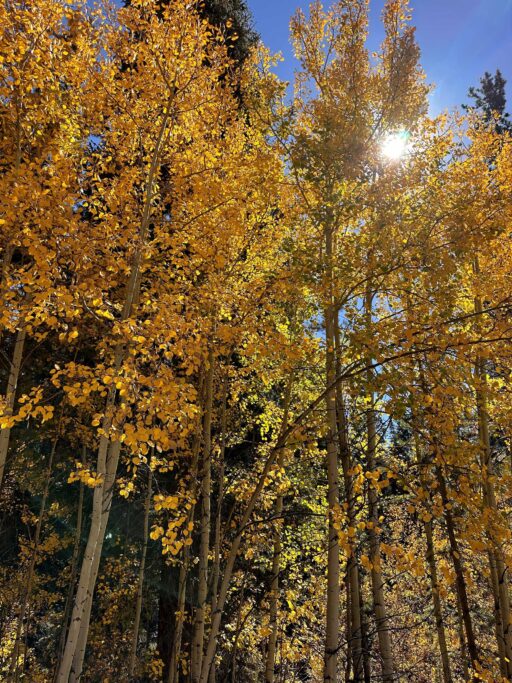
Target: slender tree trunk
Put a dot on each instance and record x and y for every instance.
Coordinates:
(15, 366)
(498, 624)
(173, 675)
(460, 581)
(354, 617)
(353, 578)
(13, 669)
(106, 504)
(108, 456)
(499, 585)
(184, 569)
(467, 636)
(348, 626)
(274, 594)
(218, 515)
(431, 560)
(70, 666)
(74, 565)
(367, 668)
(142, 568)
(270, 663)
(333, 549)
(462, 639)
(204, 545)
(436, 601)
(498, 568)
(237, 635)
(232, 555)
(10, 397)
(379, 605)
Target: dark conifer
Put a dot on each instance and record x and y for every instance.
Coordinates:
(491, 101)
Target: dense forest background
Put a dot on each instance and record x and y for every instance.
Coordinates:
(255, 362)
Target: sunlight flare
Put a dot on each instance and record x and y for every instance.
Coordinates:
(396, 145)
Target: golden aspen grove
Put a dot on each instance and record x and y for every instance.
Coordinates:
(256, 352)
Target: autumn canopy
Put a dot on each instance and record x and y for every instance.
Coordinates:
(256, 359)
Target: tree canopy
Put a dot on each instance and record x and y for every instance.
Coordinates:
(256, 408)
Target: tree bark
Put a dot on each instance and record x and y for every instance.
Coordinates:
(460, 581)
(184, 569)
(204, 545)
(498, 568)
(422, 462)
(498, 624)
(462, 639)
(10, 397)
(106, 504)
(74, 565)
(333, 548)
(218, 515)
(179, 618)
(436, 601)
(142, 568)
(232, 555)
(238, 631)
(379, 605)
(354, 617)
(270, 663)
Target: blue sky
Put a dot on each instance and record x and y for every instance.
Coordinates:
(459, 40)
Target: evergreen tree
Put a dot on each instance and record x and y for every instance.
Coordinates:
(235, 18)
(490, 99)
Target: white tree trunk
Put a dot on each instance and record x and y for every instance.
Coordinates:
(142, 568)
(379, 605)
(276, 559)
(70, 666)
(333, 545)
(10, 397)
(204, 546)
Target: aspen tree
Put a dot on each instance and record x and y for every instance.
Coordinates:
(276, 556)
(354, 597)
(205, 524)
(175, 91)
(433, 573)
(498, 569)
(379, 606)
(218, 515)
(179, 617)
(10, 396)
(74, 561)
(140, 582)
(13, 671)
(44, 124)
(336, 133)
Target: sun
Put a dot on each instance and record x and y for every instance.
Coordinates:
(395, 145)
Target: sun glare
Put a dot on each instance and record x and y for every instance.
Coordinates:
(395, 145)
